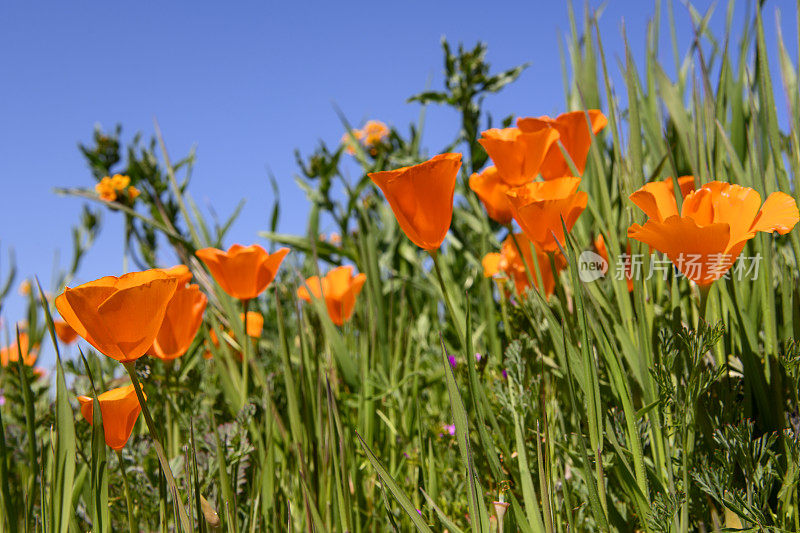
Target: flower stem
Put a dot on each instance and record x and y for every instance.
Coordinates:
(129, 504)
(245, 355)
(704, 291)
(130, 366)
(447, 302)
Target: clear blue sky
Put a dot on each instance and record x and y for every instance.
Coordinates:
(248, 82)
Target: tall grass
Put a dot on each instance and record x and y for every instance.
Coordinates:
(662, 409)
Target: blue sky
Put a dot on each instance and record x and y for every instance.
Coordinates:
(248, 83)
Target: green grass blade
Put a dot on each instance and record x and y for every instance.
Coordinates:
(394, 488)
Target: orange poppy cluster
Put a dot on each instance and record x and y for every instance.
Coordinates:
(714, 224)
(421, 196)
(158, 312)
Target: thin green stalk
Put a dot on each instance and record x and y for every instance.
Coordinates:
(176, 191)
(245, 356)
(128, 501)
(703, 305)
(448, 303)
(130, 366)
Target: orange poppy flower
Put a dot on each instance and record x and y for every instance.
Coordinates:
(510, 262)
(255, 323)
(65, 332)
(181, 323)
(491, 189)
(491, 264)
(421, 197)
(120, 317)
(517, 154)
(339, 288)
(243, 272)
(539, 206)
(179, 272)
(574, 136)
(11, 353)
(715, 223)
(119, 408)
(602, 251)
(657, 198)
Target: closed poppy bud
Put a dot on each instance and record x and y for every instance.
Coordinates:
(120, 317)
(181, 323)
(120, 408)
(539, 206)
(574, 136)
(421, 197)
(491, 189)
(339, 288)
(12, 353)
(243, 272)
(65, 332)
(517, 154)
(715, 223)
(255, 323)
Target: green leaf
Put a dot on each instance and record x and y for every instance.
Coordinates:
(394, 488)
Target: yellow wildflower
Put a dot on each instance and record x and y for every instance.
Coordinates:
(105, 189)
(374, 132)
(25, 288)
(120, 182)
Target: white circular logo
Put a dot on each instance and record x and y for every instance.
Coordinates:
(591, 266)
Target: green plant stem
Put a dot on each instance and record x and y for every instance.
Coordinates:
(128, 502)
(703, 305)
(130, 366)
(447, 302)
(245, 355)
